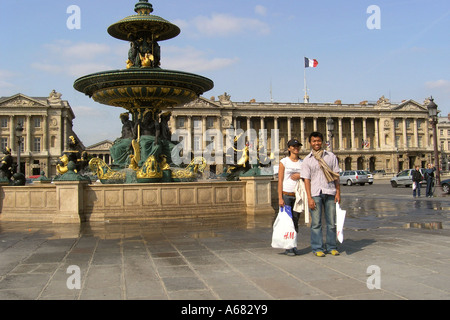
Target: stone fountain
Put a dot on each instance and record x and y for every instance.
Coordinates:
(146, 91)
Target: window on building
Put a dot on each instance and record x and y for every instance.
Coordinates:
(4, 122)
(21, 122)
(37, 144)
(408, 123)
(180, 121)
(197, 123)
(397, 123)
(197, 143)
(397, 141)
(408, 141)
(37, 122)
(3, 143)
(210, 122)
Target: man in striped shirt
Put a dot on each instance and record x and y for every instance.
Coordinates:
(320, 170)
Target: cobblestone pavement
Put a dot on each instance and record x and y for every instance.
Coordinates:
(394, 247)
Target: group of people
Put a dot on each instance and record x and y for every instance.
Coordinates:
(320, 173)
(417, 178)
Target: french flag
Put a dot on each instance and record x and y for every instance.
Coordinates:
(311, 63)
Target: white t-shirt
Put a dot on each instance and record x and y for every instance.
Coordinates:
(290, 167)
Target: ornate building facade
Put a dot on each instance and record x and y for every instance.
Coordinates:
(47, 124)
(373, 136)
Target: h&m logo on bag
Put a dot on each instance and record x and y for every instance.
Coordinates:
(289, 235)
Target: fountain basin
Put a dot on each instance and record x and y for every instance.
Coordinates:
(143, 87)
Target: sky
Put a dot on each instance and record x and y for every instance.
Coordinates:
(251, 49)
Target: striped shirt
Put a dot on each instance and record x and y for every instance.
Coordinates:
(311, 170)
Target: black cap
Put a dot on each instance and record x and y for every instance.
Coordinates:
(294, 142)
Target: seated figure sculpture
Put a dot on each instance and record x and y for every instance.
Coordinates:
(122, 148)
(6, 164)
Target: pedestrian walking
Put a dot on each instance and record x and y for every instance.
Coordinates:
(416, 179)
(320, 171)
(288, 175)
(429, 178)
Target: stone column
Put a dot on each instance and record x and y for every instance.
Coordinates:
(352, 126)
(340, 134)
(364, 123)
(189, 138)
(289, 127)
(416, 134)
(376, 138)
(315, 124)
(405, 143)
(28, 142)
(203, 146)
(45, 135)
(302, 133)
(275, 145)
(12, 134)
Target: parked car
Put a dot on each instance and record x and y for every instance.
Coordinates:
(350, 177)
(445, 185)
(369, 176)
(405, 178)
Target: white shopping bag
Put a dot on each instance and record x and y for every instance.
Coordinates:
(340, 219)
(284, 235)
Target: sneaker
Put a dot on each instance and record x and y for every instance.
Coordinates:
(319, 254)
(297, 252)
(334, 252)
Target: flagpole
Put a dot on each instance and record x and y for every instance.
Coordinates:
(305, 98)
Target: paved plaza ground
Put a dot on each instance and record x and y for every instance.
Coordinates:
(385, 255)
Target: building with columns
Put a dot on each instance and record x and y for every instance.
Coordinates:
(47, 125)
(443, 128)
(369, 135)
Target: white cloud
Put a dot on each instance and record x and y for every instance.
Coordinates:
(439, 84)
(84, 111)
(261, 10)
(78, 59)
(193, 60)
(4, 82)
(83, 50)
(219, 24)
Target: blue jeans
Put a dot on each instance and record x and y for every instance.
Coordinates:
(429, 187)
(417, 189)
(324, 204)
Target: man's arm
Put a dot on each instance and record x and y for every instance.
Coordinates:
(311, 202)
(337, 198)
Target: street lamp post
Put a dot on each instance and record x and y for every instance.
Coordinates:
(330, 128)
(433, 114)
(19, 130)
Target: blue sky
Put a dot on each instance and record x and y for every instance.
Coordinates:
(247, 47)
